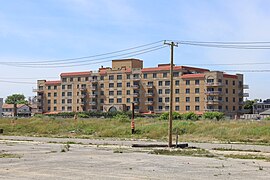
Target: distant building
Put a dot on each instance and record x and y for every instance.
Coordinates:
(115, 88)
(22, 110)
(1, 104)
(261, 106)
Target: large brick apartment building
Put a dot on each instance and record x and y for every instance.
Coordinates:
(115, 88)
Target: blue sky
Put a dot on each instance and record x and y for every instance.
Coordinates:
(33, 30)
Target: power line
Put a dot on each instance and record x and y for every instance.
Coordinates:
(227, 46)
(27, 77)
(98, 62)
(16, 82)
(229, 64)
(85, 57)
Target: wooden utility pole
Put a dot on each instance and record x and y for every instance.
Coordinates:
(132, 119)
(171, 44)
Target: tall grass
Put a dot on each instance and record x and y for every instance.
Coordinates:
(203, 130)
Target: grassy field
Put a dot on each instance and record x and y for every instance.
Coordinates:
(196, 131)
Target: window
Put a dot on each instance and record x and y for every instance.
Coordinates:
(102, 78)
(233, 83)
(160, 83)
(234, 99)
(111, 85)
(177, 91)
(177, 108)
(233, 108)
(63, 101)
(55, 101)
(71, 79)
(63, 108)
(187, 82)
(79, 79)
(119, 84)
(160, 99)
(119, 77)
(119, 93)
(86, 78)
(177, 82)
(197, 99)
(233, 91)
(69, 101)
(165, 75)
(160, 108)
(175, 74)
(160, 91)
(63, 87)
(128, 92)
(49, 94)
(167, 99)
(63, 93)
(49, 87)
(102, 93)
(69, 94)
(197, 90)
(101, 100)
(49, 108)
(187, 108)
(119, 100)
(197, 108)
(187, 91)
(111, 77)
(144, 76)
(69, 86)
(166, 108)
(226, 82)
(154, 75)
(167, 83)
(111, 100)
(128, 76)
(128, 100)
(187, 99)
(128, 84)
(111, 93)
(55, 94)
(227, 99)
(227, 90)
(177, 99)
(167, 91)
(226, 107)
(69, 108)
(49, 101)
(197, 82)
(55, 108)
(55, 87)
(64, 79)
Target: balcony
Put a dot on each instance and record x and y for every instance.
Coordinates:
(149, 103)
(213, 92)
(213, 110)
(135, 94)
(39, 97)
(136, 103)
(83, 89)
(83, 96)
(213, 101)
(150, 86)
(94, 81)
(93, 88)
(213, 84)
(136, 78)
(92, 95)
(38, 90)
(136, 86)
(93, 103)
(149, 94)
(245, 86)
(244, 94)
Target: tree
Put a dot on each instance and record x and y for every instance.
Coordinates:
(249, 105)
(16, 99)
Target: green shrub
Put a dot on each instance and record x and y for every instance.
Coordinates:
(213, 115)
(267, 118)
(83, 115)
(175, 116)
(122, 118)
(190, 116)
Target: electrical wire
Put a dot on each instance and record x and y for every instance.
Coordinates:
(16, 82)
(85, 57)
(147, 50)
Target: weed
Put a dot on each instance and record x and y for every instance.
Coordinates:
(7, 155)
(231, 149)
(247, 156)
(183, 152)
